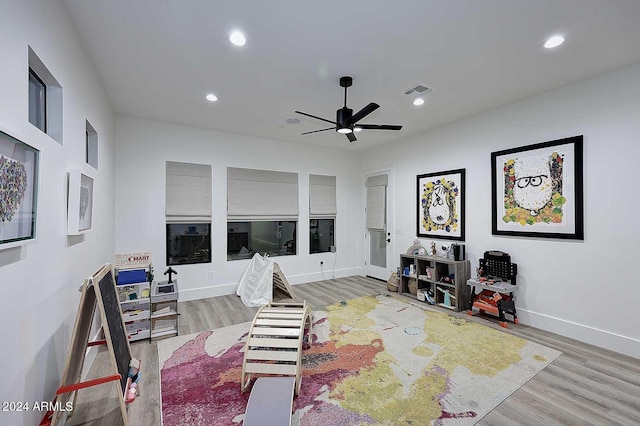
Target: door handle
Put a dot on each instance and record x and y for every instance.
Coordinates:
(388, 240)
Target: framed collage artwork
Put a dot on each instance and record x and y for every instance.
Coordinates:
(18, 190)
(440, 205)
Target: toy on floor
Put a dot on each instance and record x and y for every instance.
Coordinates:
(495, 268)
(278, 334)
(132, 381)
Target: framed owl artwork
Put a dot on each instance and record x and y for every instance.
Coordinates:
(440, 205)
(537, 190)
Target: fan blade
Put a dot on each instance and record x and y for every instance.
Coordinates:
(363, 112)
(379, 126)
(317, 118)
(316, 131)
(351, 137)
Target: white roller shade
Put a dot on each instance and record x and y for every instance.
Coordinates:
(377, 202)
(261, 195)
(322, 196)
(188, 192)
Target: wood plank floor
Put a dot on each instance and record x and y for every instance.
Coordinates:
(586, 385)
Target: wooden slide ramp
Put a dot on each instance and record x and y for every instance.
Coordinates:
(274, 343)
(280, 282)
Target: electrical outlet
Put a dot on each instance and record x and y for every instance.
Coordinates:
(210, 275)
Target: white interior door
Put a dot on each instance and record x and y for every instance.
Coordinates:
(378, 220)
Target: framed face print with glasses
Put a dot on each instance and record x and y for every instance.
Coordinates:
(537, 190)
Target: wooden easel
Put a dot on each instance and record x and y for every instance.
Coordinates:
(98, 290)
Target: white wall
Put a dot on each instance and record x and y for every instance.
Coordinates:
(40, 280)
(587, 289)
(143, 147)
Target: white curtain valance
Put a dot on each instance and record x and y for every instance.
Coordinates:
(322, 196)
(377, 203)
(261, 194)
(188, 192)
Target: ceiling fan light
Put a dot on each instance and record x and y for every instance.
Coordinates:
(344, 130)
(357, 129)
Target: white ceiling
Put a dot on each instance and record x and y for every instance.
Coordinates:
(158, 59)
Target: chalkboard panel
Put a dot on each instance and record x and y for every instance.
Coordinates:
(119, 339)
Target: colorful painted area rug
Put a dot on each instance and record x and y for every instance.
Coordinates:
(374, 360)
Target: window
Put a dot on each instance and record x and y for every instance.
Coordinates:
(188, 213)
(37, 101)
(322, 213)
(321, 235)
(262, 213)
(188, 243)
(276, 238)
(91, 145)
(45, 99)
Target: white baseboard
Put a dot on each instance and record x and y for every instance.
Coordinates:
(225, 289)
(594, 336)
(320, 276)
(205, 292)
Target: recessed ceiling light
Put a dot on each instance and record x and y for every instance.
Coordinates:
(357, 129)
(344, 130)
(237, 38)
(293, 120)
(554, 41)
(211, 97)
(418, 101)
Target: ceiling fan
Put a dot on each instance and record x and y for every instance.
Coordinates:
(346, 120)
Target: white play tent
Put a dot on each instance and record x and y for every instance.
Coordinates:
(259, 280)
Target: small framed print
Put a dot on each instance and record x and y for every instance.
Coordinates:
(80, 202)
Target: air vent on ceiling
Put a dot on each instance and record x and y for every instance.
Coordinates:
(419, 89)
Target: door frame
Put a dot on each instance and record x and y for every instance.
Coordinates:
(370, 270)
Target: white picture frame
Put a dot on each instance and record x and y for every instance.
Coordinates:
(80, 203)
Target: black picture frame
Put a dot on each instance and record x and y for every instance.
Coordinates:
(537, 190)
(19, 168)
(440, 205)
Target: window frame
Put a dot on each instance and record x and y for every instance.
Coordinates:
(289, 245)
(168, 257)
(333, 235)
(43, 108)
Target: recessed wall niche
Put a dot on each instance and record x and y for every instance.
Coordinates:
(45, 98)
(91, 146)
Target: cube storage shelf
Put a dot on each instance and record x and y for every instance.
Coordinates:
(134, 290)
(164, 309)
(431, 273)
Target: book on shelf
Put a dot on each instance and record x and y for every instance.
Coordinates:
(165, 310)
(164, 325)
